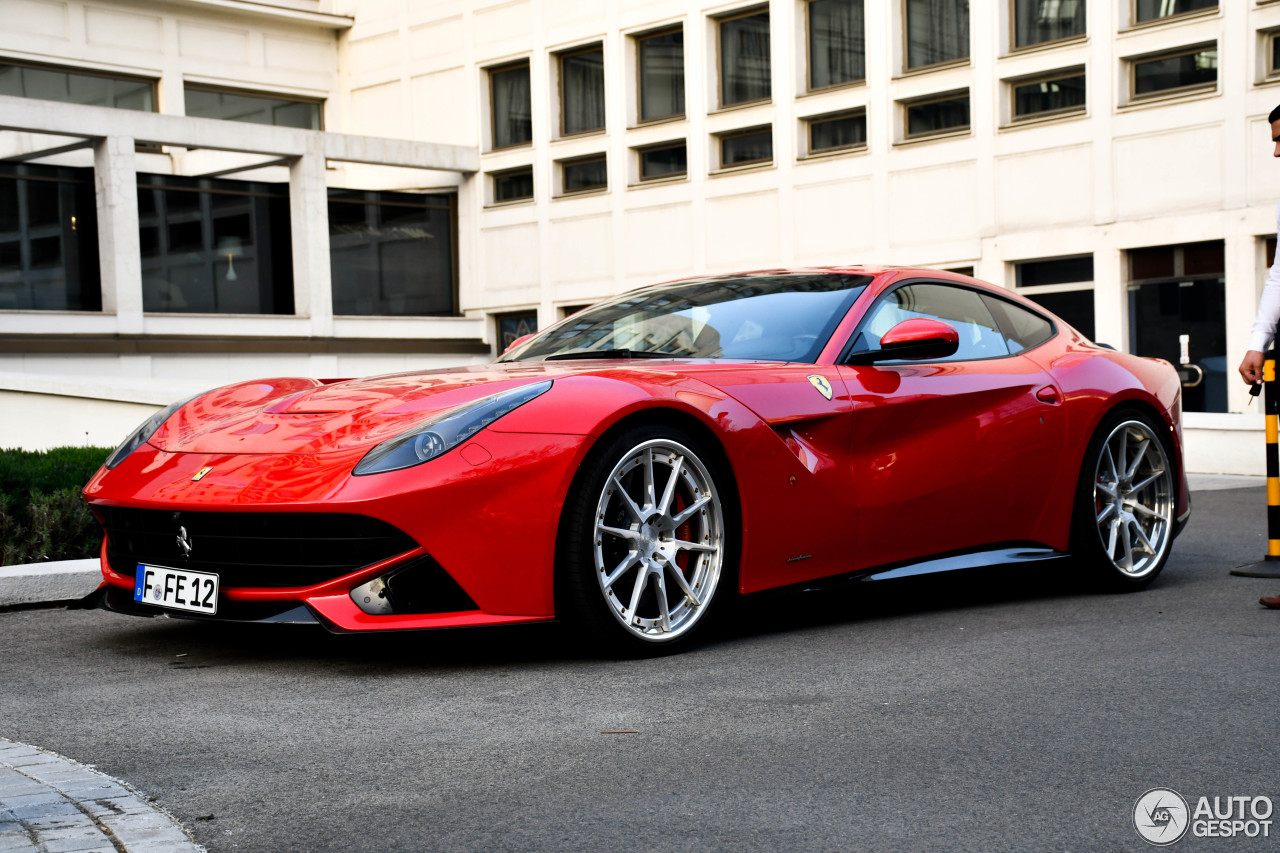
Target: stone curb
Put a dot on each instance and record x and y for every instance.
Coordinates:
(47, 582)
(51, 803)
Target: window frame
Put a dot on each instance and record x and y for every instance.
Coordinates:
(640, 150)
(90, 71)
(1270, 42)
(724, 18)
(854, 112)
(907, 69)
(1198, 89)
(1015, 48)
(636, 39)
(489, 72)
(847, 352)
(252, 93)
(906, 104)
(497, 174)
(1013, 83)
(568, 53)
(754, 130)
(599, 157)
(806, 35)
(1134, 23)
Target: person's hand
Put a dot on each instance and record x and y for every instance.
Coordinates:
(1251, 367)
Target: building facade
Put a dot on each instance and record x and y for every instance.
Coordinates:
(334, 187)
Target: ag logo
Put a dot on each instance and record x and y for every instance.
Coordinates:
(1161, 816)
(821, 383)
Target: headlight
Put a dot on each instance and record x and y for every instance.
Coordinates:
(140, 435)
(445, 432)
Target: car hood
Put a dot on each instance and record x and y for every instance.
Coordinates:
(307, 416)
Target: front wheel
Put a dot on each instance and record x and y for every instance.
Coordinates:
(1124, 514)
(645, 542)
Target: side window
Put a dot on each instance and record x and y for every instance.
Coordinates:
(958, 307)
(1023, 329)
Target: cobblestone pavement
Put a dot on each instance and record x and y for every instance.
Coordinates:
(54, 805)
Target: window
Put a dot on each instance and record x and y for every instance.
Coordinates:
(257, 109)
(837, 43)
(582, 90)
(392, 253)
(1154, 10)
(509, 99)
(1177, 303)
(513, 185)
(667, 160)
(837, 132)
(1040, 21)
(1057, 95)
(661, 60)
(77, 87)
(744, 59)
(48, 239)
(1064, 286)
(584, 174)
(214, 246)
(1273, 54)
(514, 326)
(937, 31)
(958, 307)
(746, 147)
(934, 116)
(1023, 329)
(1189, 69)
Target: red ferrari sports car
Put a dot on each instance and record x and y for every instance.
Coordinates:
(634, 465)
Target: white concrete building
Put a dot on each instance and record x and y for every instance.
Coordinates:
(483, 167)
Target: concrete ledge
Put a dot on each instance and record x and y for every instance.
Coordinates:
(44, 582)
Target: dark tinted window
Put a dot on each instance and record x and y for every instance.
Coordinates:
(1073, 306)
(256, 109)
(663, 161)
(941, 116)
(958, 307)
(1022, 329)
(786, 317)
(1054, 271)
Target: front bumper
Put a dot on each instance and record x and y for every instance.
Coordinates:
(488, 517)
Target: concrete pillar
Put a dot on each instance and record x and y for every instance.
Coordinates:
(309, 222)
(115, 182)
(1245, 272)
(1110, 298)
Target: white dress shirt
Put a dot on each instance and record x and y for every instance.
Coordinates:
(1264, 326)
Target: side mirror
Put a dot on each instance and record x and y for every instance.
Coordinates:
(517, 342)
(916, 339)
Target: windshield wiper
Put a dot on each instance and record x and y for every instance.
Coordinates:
(611, 353)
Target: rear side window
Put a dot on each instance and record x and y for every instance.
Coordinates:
(959, 307)
(1023, 329)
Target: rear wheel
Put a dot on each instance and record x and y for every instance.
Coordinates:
(645, 541)
(1124, 513)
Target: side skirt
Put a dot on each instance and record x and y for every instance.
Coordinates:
(1011, 555)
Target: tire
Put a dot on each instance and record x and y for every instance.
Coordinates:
(645, 542)
(1123, 522)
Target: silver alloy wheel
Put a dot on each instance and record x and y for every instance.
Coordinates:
(1133, 499)
(659, 540)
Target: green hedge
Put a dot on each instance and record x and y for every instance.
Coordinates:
(42, 516)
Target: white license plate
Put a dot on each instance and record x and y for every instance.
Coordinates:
(177, 589)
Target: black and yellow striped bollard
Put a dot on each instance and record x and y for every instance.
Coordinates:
(1269, 567)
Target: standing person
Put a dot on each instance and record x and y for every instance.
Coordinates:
(1264, 325)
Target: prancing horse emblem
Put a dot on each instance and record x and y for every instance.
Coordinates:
(184, 542)
(199, 475)
(821, 383)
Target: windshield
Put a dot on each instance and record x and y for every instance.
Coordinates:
(770, 317)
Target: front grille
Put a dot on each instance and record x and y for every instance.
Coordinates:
(251, 549)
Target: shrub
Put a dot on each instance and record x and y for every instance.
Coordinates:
(42, 516)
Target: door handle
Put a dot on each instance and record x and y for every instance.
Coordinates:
(1191, 375)
(1048, 394)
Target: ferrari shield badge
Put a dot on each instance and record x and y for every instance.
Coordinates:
(821, 383)
(199, 475)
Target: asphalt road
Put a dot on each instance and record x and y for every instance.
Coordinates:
(989, 711)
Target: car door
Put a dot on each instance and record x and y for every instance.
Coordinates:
(948, 454)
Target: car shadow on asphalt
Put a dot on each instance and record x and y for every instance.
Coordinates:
(189, 644)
